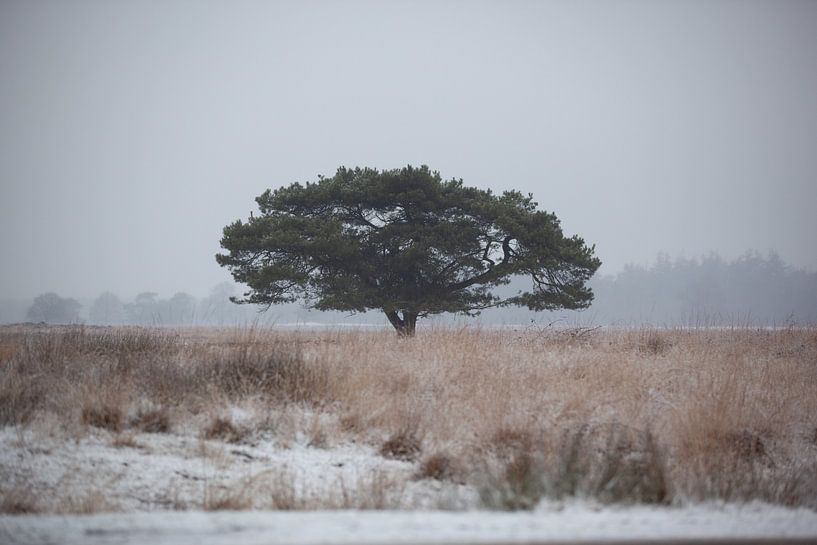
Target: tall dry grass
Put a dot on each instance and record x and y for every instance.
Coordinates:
(659, 416)
(95, 375)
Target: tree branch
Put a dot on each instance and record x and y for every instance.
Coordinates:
(491, 273)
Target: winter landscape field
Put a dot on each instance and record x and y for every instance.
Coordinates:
(456, 435)
(408, 272)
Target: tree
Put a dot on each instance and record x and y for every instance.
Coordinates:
(405, 242)
(217, 309)
(181, 309)
(144, 310)
(107, 309)
(53, 309)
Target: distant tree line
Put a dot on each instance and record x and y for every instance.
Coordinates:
(753, 290)
(53, 309)
(146, 309)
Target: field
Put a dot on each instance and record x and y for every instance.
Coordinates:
(131, 420)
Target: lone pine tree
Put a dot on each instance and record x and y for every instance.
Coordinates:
(406, 242)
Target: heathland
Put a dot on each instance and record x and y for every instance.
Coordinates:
(135, 419)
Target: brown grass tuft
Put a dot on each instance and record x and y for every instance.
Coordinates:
(126, 441)
(746, 445)
(655, 342)
(402, 445)
(18, 500)
(616, 465)
(8, 347)
(259, 364)
(85, 503)
(223, 429)
(376, 490)
(227, 499)
(156, 420)
(439, 467)
(21, 396)
(103, 413)
(506, 442)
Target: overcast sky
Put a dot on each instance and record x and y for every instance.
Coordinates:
(132, 132)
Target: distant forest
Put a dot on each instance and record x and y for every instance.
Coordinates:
(753, 290)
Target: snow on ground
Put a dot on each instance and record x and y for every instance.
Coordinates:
(151, 471)
(402, 527)
(146, 477)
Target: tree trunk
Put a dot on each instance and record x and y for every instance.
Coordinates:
(404, 326)
(409, 323)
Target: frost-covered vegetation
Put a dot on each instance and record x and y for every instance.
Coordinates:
(141, 419)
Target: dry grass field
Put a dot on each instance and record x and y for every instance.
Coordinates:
(667, 417)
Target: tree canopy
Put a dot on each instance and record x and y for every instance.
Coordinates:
(406, 242)
(107, 309)
(53, 309)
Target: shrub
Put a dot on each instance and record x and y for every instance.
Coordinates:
(439, 467)
(104, 414)
(402, 445)
(152, 421)
(223, 429)
(624, 466)
(18, 500)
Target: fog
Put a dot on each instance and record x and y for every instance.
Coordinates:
(132, 132)
(751, 291)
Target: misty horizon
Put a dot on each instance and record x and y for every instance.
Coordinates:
(751, 291)
(603, 273)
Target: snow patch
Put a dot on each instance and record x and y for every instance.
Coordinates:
(346, 527)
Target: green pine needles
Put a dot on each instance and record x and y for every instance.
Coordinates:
(406, 242)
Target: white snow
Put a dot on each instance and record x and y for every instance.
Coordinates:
(157, 473)
(395, 527)
(169, 471)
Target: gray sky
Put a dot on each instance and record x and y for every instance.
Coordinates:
(132, 132)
